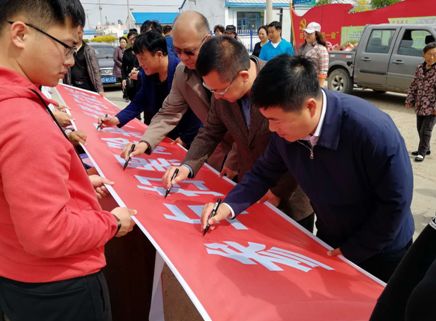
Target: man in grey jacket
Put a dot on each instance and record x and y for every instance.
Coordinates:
(190, 31)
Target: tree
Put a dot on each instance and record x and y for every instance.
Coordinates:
(382, 3)
(321, 2)
(361, 5)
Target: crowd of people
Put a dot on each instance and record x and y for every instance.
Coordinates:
(263, 120)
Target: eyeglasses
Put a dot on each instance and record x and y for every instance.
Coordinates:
(222, 92)
(189, 52)
(69, 50)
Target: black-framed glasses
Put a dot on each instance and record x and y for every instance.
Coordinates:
(70, 50)
(222, 92)
(190, 52)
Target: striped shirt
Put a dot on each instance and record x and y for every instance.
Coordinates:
(319, 54)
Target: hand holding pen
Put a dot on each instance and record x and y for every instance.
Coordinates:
(172, 178)
(174, 175)
(101, 121)
(132, 148)
(213, 213)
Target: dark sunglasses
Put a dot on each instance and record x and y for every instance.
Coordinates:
(189, 52)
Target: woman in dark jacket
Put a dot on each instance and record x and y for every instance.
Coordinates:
(129, 62)
(262, 33)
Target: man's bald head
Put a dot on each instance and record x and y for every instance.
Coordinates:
(190, 31)
(191, 22)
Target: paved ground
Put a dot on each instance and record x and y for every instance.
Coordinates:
(424, 199)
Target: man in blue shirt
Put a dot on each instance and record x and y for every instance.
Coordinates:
(276, 45)
(347, 156)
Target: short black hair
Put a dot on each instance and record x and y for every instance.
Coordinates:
(220, 28)
(286, 82)
(262, 27)
(276, 25)
(132, 32)
(429, 46)
(151, 25)
(152, 41)
(121, 38)
(167, 29)
(43, 13)
(222, 54)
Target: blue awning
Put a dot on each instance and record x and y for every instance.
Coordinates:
(256, 4)
(163, 18)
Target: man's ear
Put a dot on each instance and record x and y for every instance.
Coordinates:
(244, 74)
(312, 106)
(19, 33)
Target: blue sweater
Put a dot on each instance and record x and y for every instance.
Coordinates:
(149, 99)
(268, 51)
(360, 181)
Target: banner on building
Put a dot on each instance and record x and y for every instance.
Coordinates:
(260, 266)
(334, 17)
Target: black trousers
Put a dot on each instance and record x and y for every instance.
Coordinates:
(79, 299)
(410, 293)
(425, 126)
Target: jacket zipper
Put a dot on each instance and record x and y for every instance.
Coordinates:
(310, 148)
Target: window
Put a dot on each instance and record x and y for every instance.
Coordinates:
(249, 20)
(413, 41)
(380, 41)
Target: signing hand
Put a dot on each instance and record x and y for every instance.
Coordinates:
(140, 148)
(222, 213)
(182, 175)
(108, 121)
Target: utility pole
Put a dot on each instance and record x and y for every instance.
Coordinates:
(269, 11)
(129, 21)
(291, 8)
(101, 16)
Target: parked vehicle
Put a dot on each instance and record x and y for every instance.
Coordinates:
(384, 60)
(105, 54)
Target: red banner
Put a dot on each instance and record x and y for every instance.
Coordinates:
(260, 266)
(333, 17)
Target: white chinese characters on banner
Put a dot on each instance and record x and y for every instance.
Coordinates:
(255, 253)
(155, 185)
(176, 214)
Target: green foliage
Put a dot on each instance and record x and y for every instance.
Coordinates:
(376, 4)
(361, 5)
(106, 38)
(322, 2)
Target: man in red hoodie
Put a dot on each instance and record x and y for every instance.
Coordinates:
(52, 229)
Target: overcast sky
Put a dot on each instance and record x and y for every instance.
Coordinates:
(117, 9)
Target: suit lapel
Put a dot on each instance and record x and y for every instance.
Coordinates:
(256, 124)
(194, 81)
